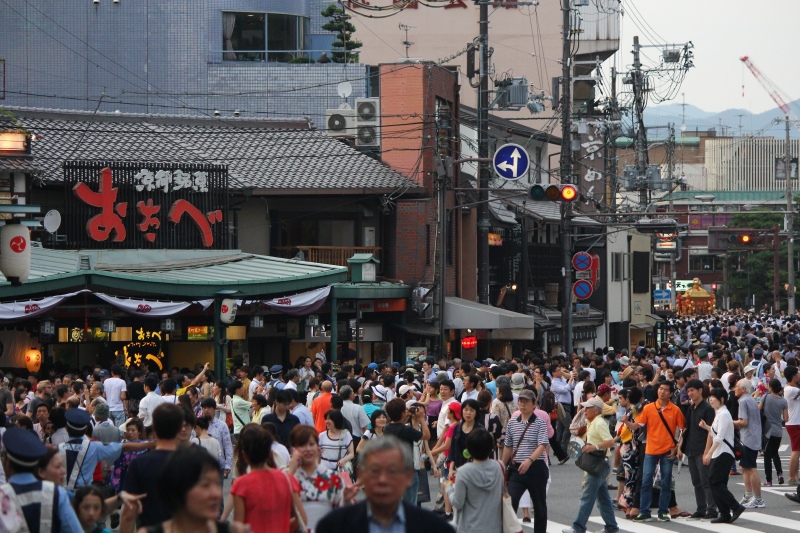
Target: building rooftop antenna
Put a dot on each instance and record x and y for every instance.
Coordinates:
(406, 43)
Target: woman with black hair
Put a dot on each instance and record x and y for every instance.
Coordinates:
(336, 443)
(190, 486)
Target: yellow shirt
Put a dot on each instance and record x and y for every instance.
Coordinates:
(597, 431)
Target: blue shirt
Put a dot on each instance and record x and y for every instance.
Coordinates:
(492, 387)
(397, 525)
(66, 514)
(97, 452)
(303, 414)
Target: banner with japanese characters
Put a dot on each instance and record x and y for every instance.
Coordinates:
(128, 204)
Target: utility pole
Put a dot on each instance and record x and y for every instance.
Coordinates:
(612, 169)
(776, 301)
(565, 229)
(641, 132)
(483, 152)
(787, 161)
(671, 174)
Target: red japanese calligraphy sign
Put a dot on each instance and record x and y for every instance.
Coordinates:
(146, 205)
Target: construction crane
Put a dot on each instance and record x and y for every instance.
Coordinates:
(774, 91)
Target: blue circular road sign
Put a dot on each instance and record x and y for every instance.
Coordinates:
(582, 289)
(581, 261)
(511, 161)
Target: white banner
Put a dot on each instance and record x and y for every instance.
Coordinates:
(300, 304)
(32, 308)
(144, 307)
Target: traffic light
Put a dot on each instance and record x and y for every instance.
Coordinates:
(554, 193)
(743, 239)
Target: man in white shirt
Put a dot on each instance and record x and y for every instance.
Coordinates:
(150, 401)
(258, 380)
(292, 379)
(116, 395)
(446, 392)
(792, 395)
(704, 367)
(470, 387)
(353, 413)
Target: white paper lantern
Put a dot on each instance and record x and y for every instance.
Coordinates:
(33, 360)
(227, 313)
(15, 252)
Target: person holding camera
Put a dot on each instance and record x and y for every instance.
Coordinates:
(408, 425)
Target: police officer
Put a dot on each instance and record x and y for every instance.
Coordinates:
(275, 372)
(81, 454)
(45, 506)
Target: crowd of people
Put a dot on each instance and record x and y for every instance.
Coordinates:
(327, 447)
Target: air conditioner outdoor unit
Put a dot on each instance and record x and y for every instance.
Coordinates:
(368, 122)
(340, 122)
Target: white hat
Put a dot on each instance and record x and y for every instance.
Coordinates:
(404, 389)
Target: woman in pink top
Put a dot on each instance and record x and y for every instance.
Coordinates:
(264, 498)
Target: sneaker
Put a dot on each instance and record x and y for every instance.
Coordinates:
(663, 517)
(736, 514)
(526, 520)
(568, 530)
(711, 515)
(767, 484)
(697, 515)
(780, 480)
(642, 517)
(564, 460)
(758, 503)
(606, 530)
(745, 500)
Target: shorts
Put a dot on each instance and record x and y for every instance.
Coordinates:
(794, 436)
(749, 457)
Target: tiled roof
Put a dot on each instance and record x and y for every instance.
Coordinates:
(17, 164)
(265, 155)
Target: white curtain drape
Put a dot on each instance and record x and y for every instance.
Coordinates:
(228, 23)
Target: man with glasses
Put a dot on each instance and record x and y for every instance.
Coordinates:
(386, 471)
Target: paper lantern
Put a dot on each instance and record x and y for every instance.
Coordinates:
(15, 252)
(227, 311)
(33, 360)
(469, 343)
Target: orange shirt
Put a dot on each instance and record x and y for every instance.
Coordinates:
(320, 406)
(658, 439)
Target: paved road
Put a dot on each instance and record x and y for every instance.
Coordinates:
(780, 514)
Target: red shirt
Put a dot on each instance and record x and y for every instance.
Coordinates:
(267, 499)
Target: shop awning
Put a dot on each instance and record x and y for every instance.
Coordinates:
(169, 274)
(464, 314)
(419, 330)
(641, 326)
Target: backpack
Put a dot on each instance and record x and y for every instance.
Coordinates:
(548, 401)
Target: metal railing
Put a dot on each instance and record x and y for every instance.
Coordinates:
(329, 255)
(271, 56)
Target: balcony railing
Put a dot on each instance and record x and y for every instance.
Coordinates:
(329, 255)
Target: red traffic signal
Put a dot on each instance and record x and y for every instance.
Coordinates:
(554, 193)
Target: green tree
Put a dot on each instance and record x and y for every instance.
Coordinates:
(344, 43)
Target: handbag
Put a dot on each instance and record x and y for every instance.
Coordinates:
(511, 523)
(301, 525)
(593, 463)
(423, 491)
(737, 448)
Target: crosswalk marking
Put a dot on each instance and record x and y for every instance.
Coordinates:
(552, 527)
(628, 525)
(783, 447)
(771, 520)
(775, 489)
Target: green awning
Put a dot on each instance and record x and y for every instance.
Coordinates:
(169, 274)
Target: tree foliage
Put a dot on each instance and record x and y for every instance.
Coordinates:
(344, 43)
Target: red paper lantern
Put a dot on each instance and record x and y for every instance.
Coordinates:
(469, 343)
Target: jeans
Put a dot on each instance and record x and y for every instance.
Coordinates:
(410, 495)
(117, 417)
(771, 456)
(702, 488)
(562, 431)
(596, 489)
(648, 472)
(534, 480)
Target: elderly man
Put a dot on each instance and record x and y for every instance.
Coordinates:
(386, 470)
(598, 438)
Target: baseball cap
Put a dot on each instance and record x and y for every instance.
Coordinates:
(593, 402)
(527, 394)
(602, 389)
(455, 408)
(404, 389)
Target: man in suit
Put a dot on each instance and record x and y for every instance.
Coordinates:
(386, 469)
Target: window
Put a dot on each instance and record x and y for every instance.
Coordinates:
(620, 266)
(263, 36)
(705, 262)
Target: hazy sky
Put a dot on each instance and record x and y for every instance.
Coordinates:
(722, 31)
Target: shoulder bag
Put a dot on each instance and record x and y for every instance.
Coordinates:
(510, 465)
(592, 463)
(511, 523)
(671, 434)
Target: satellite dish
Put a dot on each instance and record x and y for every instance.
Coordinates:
(52, 221)
(344, 89)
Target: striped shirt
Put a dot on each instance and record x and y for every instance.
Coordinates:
(536, 436)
